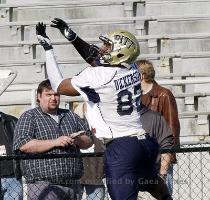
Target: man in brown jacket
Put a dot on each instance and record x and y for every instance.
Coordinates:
(160, 99)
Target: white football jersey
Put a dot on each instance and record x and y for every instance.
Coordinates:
(113, 99)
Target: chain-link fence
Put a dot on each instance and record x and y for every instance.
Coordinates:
(191, 179)
(191, 174)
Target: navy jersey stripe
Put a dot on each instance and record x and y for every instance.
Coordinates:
(110, 79)
(103, 119)
(92, 95)
(81, 71)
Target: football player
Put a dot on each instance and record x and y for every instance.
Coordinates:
(112, 92)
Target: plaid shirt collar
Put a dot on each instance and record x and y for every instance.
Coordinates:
(59, 112)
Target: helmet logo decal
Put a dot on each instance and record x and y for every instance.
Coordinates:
(124, 41)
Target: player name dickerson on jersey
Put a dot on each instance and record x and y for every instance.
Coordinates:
(127, 80)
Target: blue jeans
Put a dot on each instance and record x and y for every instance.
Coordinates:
(11, 189)
(95, 192)
(169, 179)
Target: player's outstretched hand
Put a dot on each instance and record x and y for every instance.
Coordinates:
(64, 28)
(42, 36)
(41, 29)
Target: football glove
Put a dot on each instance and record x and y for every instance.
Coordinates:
(42, 37)
(64, 29)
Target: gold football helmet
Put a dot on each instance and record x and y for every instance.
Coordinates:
(124, 47)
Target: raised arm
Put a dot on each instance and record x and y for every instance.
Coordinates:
(87, 51)
(58, 83)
